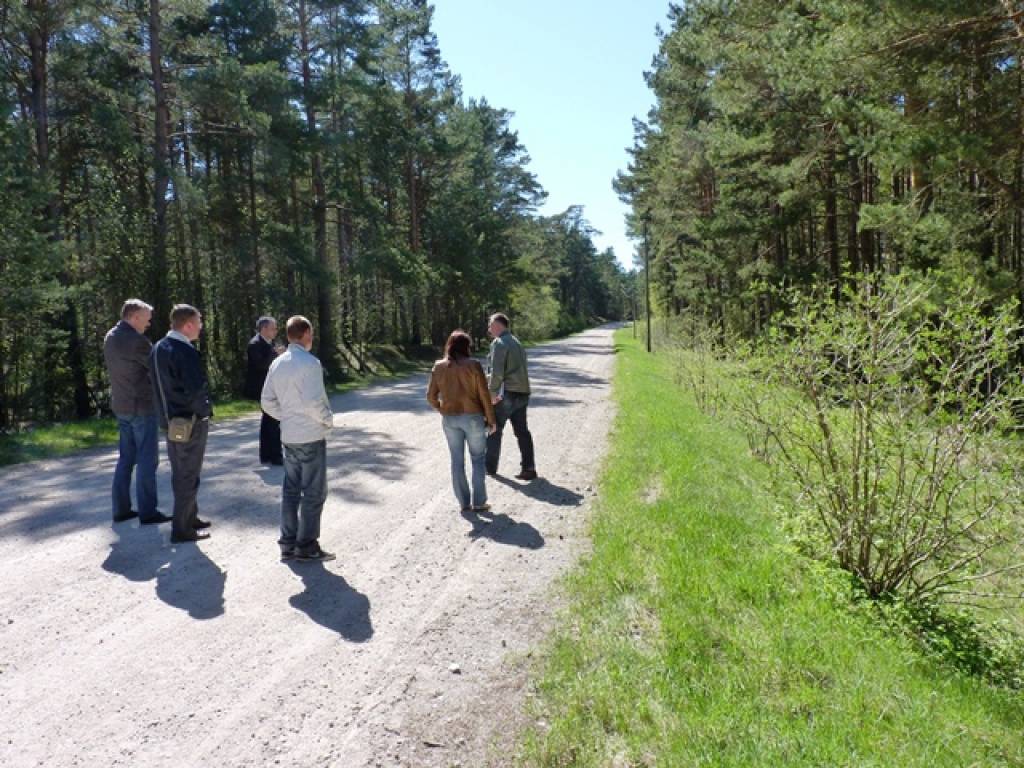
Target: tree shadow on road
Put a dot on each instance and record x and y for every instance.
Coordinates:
(192, 582)
(502, 529)
(332, 602)
(545, 491)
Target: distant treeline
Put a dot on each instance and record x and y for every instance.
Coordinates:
(259, 157)
(810, 145)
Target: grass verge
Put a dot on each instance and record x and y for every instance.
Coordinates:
(697, 636)
(55, 440)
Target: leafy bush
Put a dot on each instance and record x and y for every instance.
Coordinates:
(887, 413)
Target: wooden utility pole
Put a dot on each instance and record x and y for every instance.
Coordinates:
(647, 275)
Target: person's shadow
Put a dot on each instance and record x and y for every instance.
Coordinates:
(138, 553)
(192, 582)
(502, 529)
(543, 490)
(332, 602)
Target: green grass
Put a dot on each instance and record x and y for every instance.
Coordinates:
(697, 636)
(55, 440)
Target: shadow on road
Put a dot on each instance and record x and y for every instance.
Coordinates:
(545, 491)
(138, 553)
(185, 577)
(192, 582)
(502, 529)
(331, 602)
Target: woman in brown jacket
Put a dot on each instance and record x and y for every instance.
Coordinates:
(458, 390)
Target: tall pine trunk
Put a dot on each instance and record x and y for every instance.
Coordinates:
(161, 173)
(325, 304)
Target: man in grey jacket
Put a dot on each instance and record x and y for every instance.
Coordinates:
(294, 394)
(509, 383)
(126, 353)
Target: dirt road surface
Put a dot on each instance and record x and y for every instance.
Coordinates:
(411, 649)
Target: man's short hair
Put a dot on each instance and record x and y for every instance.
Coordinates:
(264, 321)
(131, 306)
(500, 317)
(297, 327)
(181, 314)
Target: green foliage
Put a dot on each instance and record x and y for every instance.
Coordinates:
(320, 159)
(886, 414)
(697, 636)
(794, 144)
(957, 637)
(537, 311)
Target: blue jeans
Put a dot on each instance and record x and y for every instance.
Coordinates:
(303, 496)
(137, 447)
(461, 430)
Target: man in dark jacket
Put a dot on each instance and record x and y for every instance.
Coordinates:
(183, 391)
(259, 355)
(126, 352)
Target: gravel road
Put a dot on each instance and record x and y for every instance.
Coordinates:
(411, 649)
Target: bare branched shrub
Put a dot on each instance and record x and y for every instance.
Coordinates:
(700, 350)
(889, 417)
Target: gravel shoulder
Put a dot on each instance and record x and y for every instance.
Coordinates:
(411, 649)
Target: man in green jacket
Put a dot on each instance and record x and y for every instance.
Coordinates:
(509, 383)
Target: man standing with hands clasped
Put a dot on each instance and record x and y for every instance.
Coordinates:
(184, 394)
(294, 394)
(259, 354)
(509, 384)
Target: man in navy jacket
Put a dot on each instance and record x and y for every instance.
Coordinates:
(182, 390)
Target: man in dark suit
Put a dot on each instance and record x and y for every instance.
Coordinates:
(260, 353)
(184, 392)
(126, 352)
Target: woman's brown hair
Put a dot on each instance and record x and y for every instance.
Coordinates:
(458, 346)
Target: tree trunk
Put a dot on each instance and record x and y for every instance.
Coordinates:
(832, 225)
(161, 173)
(325, 308)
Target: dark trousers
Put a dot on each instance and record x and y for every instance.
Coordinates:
(270, 440)
(186, 463)
(511, 408)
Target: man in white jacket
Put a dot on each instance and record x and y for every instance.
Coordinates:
(294, 394)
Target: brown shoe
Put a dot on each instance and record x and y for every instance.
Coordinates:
(527, 474)
(200, 524)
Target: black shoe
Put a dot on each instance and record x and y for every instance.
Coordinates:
(318, 554)
(287, 554)
(527, 474)
(159, 517)
(129, 515)
(196, 536)
(200, 524)
(492, 473)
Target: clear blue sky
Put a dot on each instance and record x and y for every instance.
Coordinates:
(572, 72)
